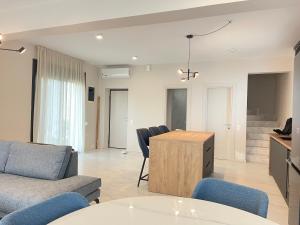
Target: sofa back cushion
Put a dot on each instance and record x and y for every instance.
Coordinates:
(38, 161)
(4, 152)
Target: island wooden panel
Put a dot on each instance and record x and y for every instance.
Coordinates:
(179, 160)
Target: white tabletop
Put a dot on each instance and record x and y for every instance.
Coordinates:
(160, 211)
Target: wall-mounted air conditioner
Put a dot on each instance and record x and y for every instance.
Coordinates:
(115, 72)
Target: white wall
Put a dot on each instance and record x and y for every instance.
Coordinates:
(147, 95)
(15, 92)
(92, 80)
(262, 97)
(284, 98)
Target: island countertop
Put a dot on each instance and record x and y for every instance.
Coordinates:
(188, 136)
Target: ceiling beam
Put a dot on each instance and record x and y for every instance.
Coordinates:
(155, 18)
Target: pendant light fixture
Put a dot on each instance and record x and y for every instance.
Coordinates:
(189, 73)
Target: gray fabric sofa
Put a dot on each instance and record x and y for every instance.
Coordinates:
(31, 173)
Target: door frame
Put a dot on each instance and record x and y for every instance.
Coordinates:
(109, 113)
(188, 102)
(166, 113)
(233, 113)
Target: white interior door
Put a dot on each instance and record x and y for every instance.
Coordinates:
(219, 116)
(118, 119)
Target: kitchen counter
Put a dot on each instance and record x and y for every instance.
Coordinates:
(286, 143)
(278, 167)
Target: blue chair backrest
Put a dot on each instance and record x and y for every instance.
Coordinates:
(234, 195)
(143, 135)
(47, 211)
(154, 131)
(163, 129)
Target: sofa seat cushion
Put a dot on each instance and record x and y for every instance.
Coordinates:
(38, 161)
(4, 152)
(17, 192)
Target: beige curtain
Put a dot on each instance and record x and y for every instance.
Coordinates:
(59, 112)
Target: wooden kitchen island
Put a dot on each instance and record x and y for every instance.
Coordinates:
(179, 160)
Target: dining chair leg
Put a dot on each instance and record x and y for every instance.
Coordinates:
(141, 173)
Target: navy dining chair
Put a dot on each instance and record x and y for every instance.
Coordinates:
(154, 131)
(163, 129)
(46, 211)
(234, 195)
(143, 136)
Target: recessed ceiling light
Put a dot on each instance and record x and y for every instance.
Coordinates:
(134, 58)
(99, 36)
(232, 50)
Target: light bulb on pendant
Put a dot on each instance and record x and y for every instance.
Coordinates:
(180, 71)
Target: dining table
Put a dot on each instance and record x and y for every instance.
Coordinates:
(161, 210)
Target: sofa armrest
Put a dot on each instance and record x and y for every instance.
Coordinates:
(72, 168)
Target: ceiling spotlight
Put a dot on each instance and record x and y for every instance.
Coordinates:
(134, 58)
(99, 36)
(196, 74)
(183, 79)
(21, 50)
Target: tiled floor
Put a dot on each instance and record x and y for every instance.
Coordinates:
(119, 174)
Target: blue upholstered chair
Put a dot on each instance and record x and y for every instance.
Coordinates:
(143, 135)
(47, 211)
(154, 131)
(163, 129)
(234, 195)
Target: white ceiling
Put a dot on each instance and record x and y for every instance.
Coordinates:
(270, 33)
(23, 15)
(260, 28)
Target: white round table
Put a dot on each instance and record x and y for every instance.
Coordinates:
(160, 211)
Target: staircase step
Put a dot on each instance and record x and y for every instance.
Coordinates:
(254, 123)
(254, 118)
(258, 151)
(260, 130)
(256, 136)
(258, 143)
(257, 159)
